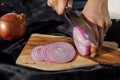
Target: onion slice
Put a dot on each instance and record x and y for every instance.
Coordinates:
(46, 53)
(61, 52)
(36, 54)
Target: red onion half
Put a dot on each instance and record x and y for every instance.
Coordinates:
(81, 40)
(60, 52)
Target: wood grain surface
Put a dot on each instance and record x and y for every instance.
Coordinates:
(108, 55)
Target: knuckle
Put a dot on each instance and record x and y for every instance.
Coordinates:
(110, 23)
(60, 11)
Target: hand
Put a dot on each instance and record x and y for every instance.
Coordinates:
(59, 5)
(96, 12)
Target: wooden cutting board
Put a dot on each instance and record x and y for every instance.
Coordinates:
(108, 55)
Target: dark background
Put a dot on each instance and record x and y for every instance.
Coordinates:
(42, 19)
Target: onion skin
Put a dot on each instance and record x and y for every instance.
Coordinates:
(12, 26)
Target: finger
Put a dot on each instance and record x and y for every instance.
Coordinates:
(49, 3)
(94, 50)
(61, 5)
(101, 35)
(108, 25)
(70, 2)
(101, 24)
(95, 47)
(104, 24)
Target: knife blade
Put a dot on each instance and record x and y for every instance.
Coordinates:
(77, 20)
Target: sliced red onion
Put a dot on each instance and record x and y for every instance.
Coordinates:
(81, 41)
(36, 54)
(46, 53)
(62, 52)
(59, 52)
